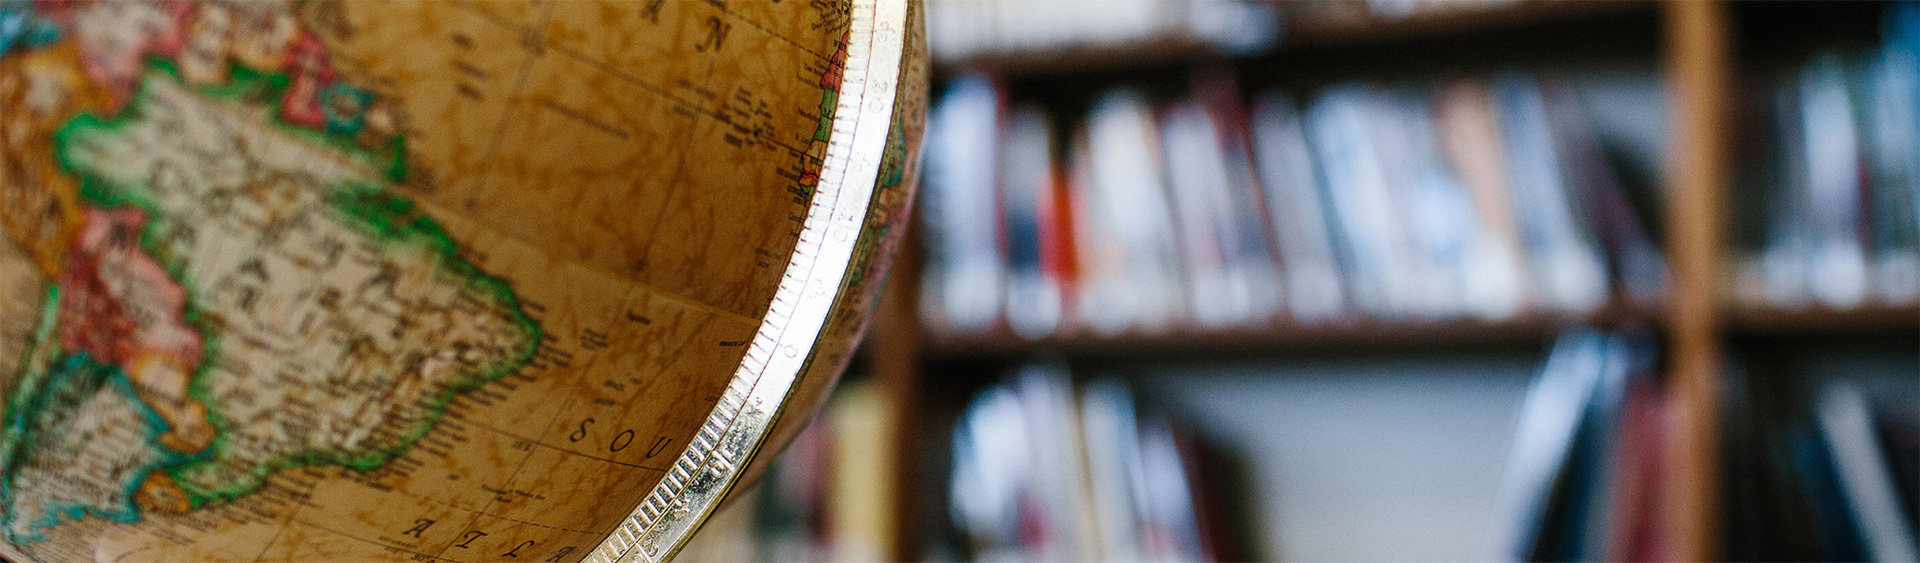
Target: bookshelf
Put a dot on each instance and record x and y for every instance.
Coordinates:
(1695, 45)
(1356, 336)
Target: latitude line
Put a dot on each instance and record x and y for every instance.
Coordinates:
(509, 434)
(580, 381)
(656, 89)
(309, 524)
(471, 510)
(537, 35)
(770, 32)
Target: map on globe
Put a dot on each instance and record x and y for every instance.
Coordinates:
(333, 280)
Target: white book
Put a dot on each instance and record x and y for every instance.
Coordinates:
(1871, 496)
(1839, 262)
(1099, 252)
(1054, 479)
(1171, 532)
(1231, 280)
(1894, 158)
(1296, 210)
(1438, 216)
(1470, 139)
(1251, 265)
(1360, 202)
(1566, 260)
(1549, 417)
(990, 442)
(1125, 175)
(1196, 184)
(1234, 26)
(964, 265)
(1026, 180)
(1113, 464)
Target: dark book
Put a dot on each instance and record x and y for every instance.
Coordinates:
(1900, 442)
(1836, 532)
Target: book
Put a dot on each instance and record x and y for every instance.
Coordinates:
(985, 496)
(1575, 524)
(1362, 212)
(1113, 469)
(1196, 184)
(1033, 303)
(1635, 521)
(1892, 125)
(1545, 434)
(1252, 270)
(1047, 470)
(1865, 483)
(859, 525)
(1435, 217)
(1171, 532)
(1470, 140)
(964, 272)
(1838, 261)
(1836, 533)
(1128, 214)
(1231, 276)
(1059, 258)
(1635, 264)
(1630, 359)
(1314, 287)
(961, 29)
(1567, 268)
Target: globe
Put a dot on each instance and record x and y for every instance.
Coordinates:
(514, 280)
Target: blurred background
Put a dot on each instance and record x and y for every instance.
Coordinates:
(1388, 280)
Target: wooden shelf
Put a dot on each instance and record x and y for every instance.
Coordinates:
(1172, 50)
(1159, 51)
(1873, 320)
(1371, 335)
(1450, 22)
(1355, 335)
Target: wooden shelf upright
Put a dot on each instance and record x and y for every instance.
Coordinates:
(1698, 72)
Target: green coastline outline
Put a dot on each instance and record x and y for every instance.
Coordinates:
(52, 395)
(388, 219)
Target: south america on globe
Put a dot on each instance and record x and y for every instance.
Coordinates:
(348, 280)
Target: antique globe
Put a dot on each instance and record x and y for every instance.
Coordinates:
(464, 281)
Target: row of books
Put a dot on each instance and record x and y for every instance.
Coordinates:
(1471, 197)
(1820, 468)
(1359, 12)
(1833, 188)
(1583, 479)
(961, 29)
(1046, 470)
(1815, 468)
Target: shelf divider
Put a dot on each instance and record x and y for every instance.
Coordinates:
(1698, 68)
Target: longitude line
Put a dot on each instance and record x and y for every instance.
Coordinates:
(533, 33)
(292, 513)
